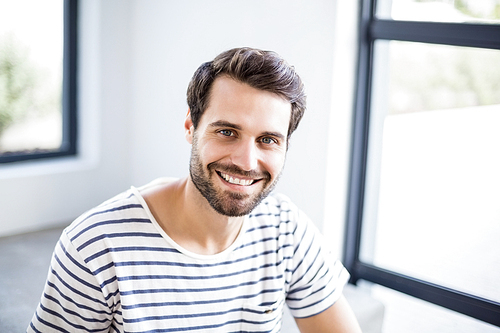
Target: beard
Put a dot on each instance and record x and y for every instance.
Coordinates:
(226, 202)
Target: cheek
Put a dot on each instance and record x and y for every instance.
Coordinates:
(211, 152)
(275, 163)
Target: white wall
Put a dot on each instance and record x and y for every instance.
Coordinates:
(137, 59)
(36, 195)
(171, 39)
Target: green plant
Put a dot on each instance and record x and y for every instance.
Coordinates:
(18, 82)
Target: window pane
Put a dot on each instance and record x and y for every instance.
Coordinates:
(407, 314)
(31, 59)
(476, 11)
(432, 190)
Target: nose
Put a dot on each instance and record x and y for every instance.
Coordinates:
(246, 155)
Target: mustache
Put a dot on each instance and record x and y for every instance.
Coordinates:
(237, 171)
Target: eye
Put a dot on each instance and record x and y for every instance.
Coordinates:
(226, 132)
(268, 140)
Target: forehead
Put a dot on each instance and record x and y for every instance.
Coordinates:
(241, 104)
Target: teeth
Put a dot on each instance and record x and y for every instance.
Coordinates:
(236, 181)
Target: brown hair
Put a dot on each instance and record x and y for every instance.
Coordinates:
(264, 70)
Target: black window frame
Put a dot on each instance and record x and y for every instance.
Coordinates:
(69, 93)
(372, 29)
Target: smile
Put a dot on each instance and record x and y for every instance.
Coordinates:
(236, 181)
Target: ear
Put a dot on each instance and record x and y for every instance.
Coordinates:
(189, 127)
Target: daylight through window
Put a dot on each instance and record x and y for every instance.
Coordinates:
(34, 63)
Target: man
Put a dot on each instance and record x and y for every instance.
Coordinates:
(213, 252)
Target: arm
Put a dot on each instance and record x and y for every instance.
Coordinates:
(72, 300)
(338, 318)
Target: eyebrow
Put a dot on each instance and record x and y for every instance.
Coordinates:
(223, 123)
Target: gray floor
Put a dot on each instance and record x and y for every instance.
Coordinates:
(24, 263)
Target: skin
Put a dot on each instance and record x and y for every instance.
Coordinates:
(242, 131)
(338, 318)
(242, 135)
(239, 146)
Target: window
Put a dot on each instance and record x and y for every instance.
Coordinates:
(423, 215)
(37, 79)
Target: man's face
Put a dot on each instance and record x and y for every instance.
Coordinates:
(239, 147)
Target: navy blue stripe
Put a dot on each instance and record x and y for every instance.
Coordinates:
(315, 303)
(196, 315)
(271, 303)
(277, 206)
(103, 268)
(264, 214)
(80, 327)
(71, 312)
(187, 277)
(263, 240)
(308, 287)
(34, 328)
(81, 306)
(205, 302)
(120, 234)
(305, 253)
(207, 314)
(108, 281)
(120, 314)
(73, 260)
(179, 290)
(130, 248)
(112, 294)
(158, 263)
(318, 270)
(313, 262)
(260, 227)
(114, 209)
(106, 222)
(168, 263)
(181, 264)
(46, 323)
(76, 291)
(117, 311)
(207, 327)
(74, 276)
(301, 238)
(114, 328)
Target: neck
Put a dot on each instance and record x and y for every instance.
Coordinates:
(190, 221)
(217, 232)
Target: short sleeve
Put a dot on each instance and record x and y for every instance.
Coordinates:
(317, 279)
(72, 299)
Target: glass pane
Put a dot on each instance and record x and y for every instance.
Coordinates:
(31, 55)
(472, 11)
(433, 183)
(407, 314)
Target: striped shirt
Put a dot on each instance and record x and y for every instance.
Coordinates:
(115, 269)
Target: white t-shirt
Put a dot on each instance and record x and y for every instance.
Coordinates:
(115, 269)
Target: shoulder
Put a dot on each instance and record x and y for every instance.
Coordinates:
(127, 206)
(121, 216)
(276, 203)
(279, 210)
(121, 205)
